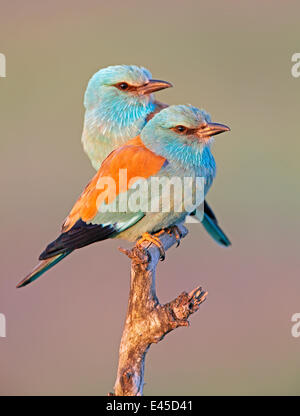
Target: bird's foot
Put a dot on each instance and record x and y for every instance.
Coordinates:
(155, 240)
(174, 230)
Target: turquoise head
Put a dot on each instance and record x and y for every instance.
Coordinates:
(181, 133)
(121, 97)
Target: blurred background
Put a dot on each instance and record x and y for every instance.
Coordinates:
(231, 58)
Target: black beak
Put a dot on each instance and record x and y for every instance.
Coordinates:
(211, 129)
(153, 85)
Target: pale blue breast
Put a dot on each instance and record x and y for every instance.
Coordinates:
(107, 127)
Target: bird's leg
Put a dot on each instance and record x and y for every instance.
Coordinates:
(175, 230)
(155, 240)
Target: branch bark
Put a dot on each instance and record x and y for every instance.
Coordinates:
(148, 321)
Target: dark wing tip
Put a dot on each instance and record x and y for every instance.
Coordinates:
(80, 235)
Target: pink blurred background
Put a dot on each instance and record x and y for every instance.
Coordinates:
(232, 58)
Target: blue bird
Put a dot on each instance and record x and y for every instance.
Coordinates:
(174, 144)
(119, 101)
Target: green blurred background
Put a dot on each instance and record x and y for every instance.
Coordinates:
(234, 59)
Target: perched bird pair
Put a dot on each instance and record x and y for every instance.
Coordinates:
(125, 128)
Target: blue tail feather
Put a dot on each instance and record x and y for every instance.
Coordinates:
(42, 268)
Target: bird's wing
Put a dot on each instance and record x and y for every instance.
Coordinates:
(88, 222)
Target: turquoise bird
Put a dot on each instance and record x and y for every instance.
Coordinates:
(175, 143)
(119, 101)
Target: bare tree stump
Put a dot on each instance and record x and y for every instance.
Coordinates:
(147, 321)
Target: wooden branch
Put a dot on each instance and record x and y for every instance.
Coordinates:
(147, 321)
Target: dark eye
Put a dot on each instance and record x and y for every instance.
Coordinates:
(122, 86)
(180, 129)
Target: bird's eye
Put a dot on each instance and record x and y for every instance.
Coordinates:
(122, 86)
(180, 129)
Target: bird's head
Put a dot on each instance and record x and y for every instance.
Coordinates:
(180, 132)
(124, 84)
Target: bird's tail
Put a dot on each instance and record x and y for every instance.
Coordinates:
(211, 225)
(42, 267)
(215, 231)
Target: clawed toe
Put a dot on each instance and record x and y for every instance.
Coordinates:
(156, 241)
(174, 230)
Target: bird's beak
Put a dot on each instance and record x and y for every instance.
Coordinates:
(153, 85)
(207, 130)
